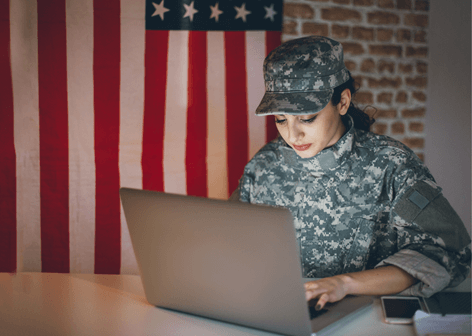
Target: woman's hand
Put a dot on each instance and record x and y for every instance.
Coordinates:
(379, 281)
(330, 289)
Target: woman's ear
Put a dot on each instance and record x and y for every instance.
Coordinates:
(345, 102)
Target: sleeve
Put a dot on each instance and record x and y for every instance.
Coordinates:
(243, 191)
(433, 243)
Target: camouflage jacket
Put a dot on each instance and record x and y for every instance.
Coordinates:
(365, 202)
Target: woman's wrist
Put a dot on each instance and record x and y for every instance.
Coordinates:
(349, 284)
(379, 281)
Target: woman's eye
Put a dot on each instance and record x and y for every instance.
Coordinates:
(280, 121)
(308, 121)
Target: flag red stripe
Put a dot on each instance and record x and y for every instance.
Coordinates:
(236, 106)
(196, 142)
(7, 149)
(53, 136)
(273, 40)
(106, 72)
(155, 77)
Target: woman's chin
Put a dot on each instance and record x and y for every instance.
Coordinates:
(307, 154)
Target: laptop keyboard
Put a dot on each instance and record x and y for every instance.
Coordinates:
(315, 313)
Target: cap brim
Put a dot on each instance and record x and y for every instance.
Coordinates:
(293, 102)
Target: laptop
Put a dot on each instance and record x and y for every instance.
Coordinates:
(229, 261)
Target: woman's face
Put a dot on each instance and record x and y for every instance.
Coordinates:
(309, 134)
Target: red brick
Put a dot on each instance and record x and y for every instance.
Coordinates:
(340, 14)
(298, 11)
(420, 36)
(386, 66)
(402, 97)
(382, 18)
(414, 142)
(421, 67)
(368, 65)
(340, 31)
(358, 80)
(364, 98)
(350, 65)
(417, 52)
(385, 97)
(311, 28)
(385, 82)
(414, 113)
(416, 20)
(404, 4)
(405, 68)
(290, 28)
(403, 35)
(422, 5)
(353, 48)
(419, 96)
(379, 128)
(342, 2)
(384, 35)
(370, 111)
(416, 127)
(388, 114)
(363, 2)
(385, 50)
(386, 4)
(420, 82)
(362, 33)
(398, 128)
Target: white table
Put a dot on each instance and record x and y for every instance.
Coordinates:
(86, 304)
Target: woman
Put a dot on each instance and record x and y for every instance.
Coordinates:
(368, 215)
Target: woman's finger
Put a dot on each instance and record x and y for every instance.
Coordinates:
(311, 285)
(322, 301)
(312, 291)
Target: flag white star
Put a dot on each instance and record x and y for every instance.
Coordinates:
(242, 12)
(160, 9)
(215, 12)
(270, 12)
(190, 11)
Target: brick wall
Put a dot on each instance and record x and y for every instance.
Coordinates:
(385, 48)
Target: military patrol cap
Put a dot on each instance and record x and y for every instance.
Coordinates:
(300, 76)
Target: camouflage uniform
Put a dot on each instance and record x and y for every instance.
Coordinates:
(365, 202)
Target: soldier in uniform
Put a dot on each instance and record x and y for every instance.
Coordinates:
(368, 215)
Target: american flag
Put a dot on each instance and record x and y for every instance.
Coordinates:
(101, 94)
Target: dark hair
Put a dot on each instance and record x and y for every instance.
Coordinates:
(361, 119)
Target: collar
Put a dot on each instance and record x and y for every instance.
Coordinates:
(326, 161)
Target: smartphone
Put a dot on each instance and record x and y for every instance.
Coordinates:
(400, 309)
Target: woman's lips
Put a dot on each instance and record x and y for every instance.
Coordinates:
(301, 148)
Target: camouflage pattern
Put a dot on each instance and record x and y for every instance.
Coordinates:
(300, 76)
(342, 201)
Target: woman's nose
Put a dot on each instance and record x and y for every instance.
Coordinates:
(295, 133)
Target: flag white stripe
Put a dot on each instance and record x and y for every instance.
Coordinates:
(79, 27)
(176, 113)
(216, 144)
(255, 52)
(24, 61)
(131, 114)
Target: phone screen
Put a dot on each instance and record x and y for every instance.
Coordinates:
(401, 307)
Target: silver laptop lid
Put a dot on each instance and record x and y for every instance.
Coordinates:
(229, 261)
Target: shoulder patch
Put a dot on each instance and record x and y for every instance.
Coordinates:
(425, 206)
(419, 200)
